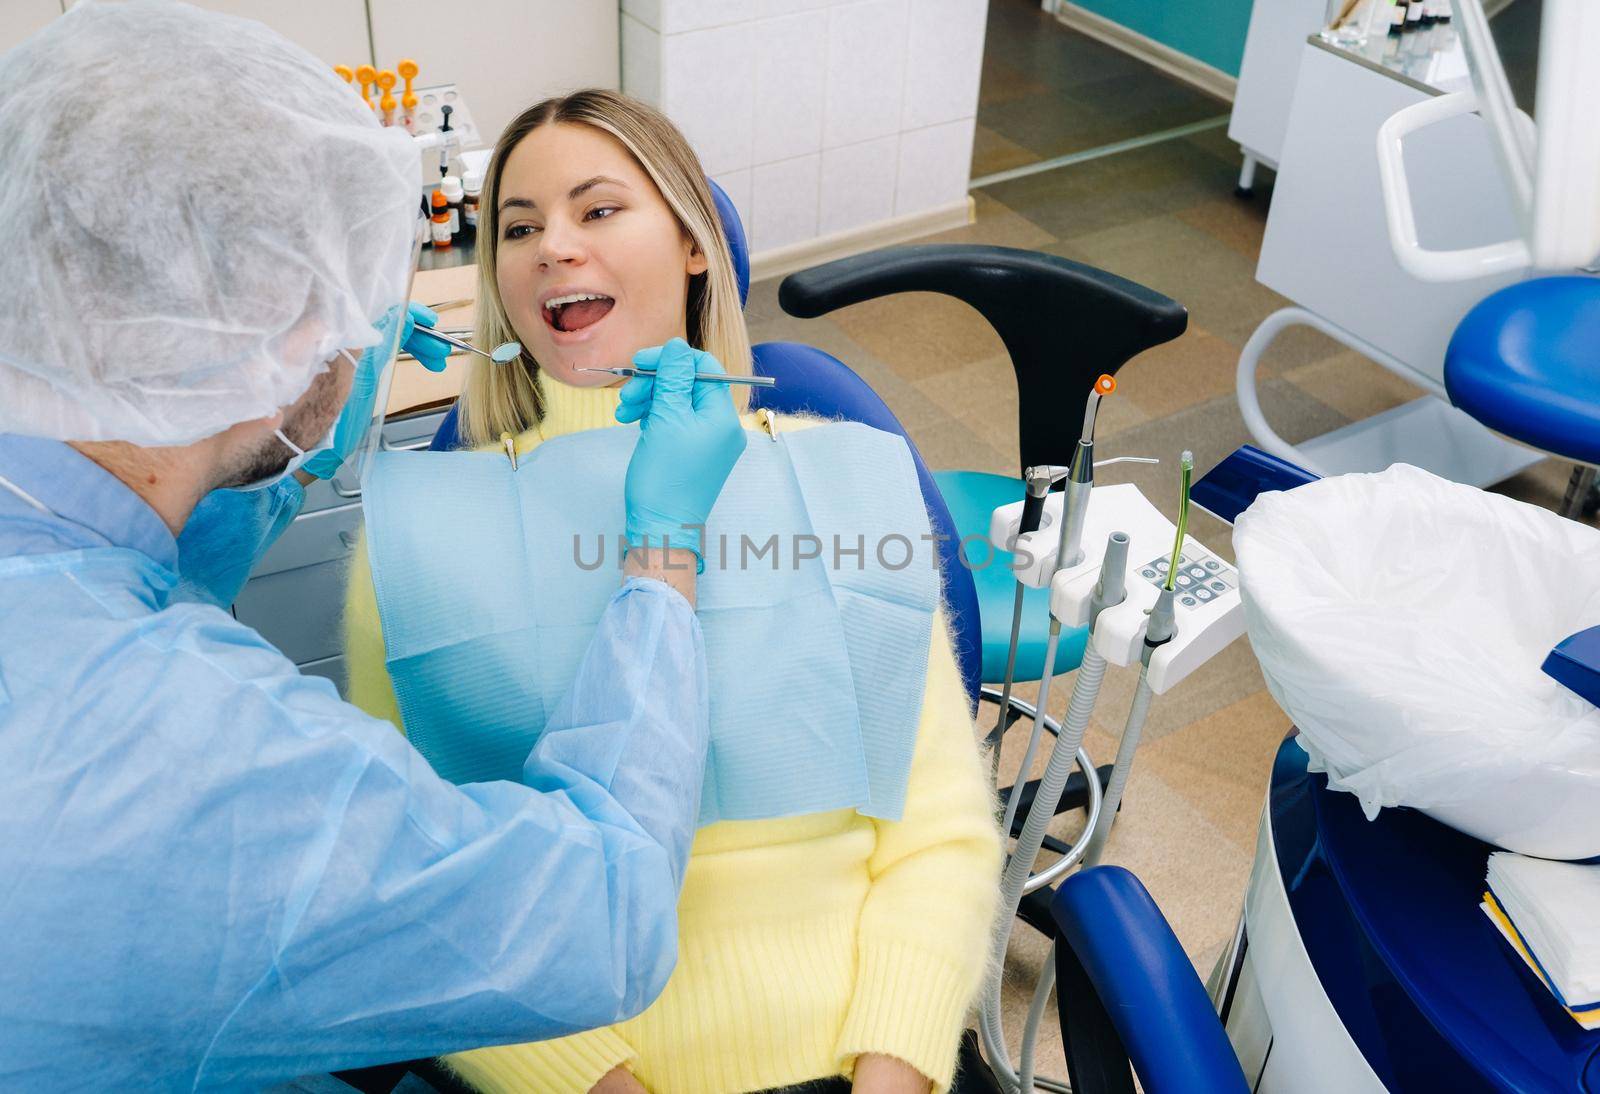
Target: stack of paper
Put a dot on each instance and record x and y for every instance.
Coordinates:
(1550, 913)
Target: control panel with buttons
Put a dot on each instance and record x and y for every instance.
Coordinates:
(1202, 577)
(1210, 612)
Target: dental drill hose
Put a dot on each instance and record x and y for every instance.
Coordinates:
(1038, 488)
(1111, 589)
(1072, 501)
(1160, 628)
(1063, 756)
(1159, 634)
(1020, 865)
(1074, 508)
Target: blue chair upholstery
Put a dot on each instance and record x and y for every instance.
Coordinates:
(1523, 362)
(738, 246)
(973, 497)
(1128, 992)
(813, 382)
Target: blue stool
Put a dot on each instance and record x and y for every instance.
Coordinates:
(1526, 363)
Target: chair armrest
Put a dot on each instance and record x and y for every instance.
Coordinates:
(1145, 984)
(1063, 323)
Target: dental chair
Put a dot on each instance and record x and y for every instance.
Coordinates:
(1129, 998)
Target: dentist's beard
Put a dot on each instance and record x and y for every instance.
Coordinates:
(305, 425)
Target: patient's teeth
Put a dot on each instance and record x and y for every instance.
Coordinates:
(558, 301)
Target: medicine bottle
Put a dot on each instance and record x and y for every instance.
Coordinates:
(472, 192)
(441, 220)
(450, 187)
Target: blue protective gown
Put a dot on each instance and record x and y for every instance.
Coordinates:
(215, 873)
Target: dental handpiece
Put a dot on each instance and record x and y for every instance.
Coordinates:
(503, 354)
(1080, 478)
(1038, 482)
(707, 377)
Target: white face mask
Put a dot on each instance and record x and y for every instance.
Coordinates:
(296, 461)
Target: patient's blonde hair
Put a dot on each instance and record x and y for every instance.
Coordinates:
(504, 398)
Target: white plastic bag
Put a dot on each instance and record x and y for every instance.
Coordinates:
(1401, 620)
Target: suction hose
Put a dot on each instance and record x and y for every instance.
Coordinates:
(1085, 692)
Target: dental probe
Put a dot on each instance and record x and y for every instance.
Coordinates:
(708, 377)
(503, 354)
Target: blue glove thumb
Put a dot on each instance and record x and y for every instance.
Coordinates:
(429, 352)
(637, 391)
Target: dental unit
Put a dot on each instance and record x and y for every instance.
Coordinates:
(1150, 595)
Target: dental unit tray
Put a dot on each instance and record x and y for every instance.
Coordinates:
(1209, 610)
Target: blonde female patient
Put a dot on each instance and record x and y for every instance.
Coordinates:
(817, 952)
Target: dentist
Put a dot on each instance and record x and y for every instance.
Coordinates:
(213, 872)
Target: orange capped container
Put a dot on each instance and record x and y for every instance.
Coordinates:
(440, 230)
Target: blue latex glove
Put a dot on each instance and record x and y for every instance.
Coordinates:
(429, 352)
(691, 438)
(226, 536)
(356, 418)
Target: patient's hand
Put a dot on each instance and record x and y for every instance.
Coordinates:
(877, 1074)
(619, 1080)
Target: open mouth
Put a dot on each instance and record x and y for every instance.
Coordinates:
(577, 311)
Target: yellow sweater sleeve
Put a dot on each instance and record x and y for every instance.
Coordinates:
(367, 676)
(923, 938)
(568, 1065)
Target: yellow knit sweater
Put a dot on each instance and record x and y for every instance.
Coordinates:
(803, 942)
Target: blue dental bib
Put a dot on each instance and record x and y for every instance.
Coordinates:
(816, 604)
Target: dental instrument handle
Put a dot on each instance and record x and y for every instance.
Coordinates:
(1125, 459)
(1186, 472)
(1038, 482)
(1112, 587)
(707, 377)
(1103, 386)
(502, 353)
(1075, 514)
(1032, 509)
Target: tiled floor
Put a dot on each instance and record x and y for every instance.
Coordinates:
(1165, 216)
(1047, 92)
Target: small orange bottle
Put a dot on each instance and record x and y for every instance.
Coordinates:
(441, 220)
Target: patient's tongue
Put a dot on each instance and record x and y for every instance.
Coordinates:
(583, 313)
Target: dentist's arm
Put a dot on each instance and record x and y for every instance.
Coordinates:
(642, 683)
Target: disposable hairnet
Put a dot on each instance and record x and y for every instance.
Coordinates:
(202, 215)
